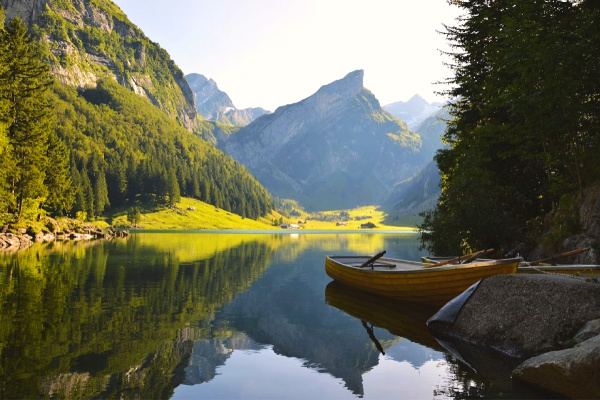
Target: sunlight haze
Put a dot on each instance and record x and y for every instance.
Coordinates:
(267, 53)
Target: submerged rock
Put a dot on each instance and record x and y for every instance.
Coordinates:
(573, 372)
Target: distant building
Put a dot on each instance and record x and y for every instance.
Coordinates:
(290, 226)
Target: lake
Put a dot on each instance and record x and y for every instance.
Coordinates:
(220, 316)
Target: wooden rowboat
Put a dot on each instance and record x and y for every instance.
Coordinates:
(583, 270)
(546, 265)
(413, 281)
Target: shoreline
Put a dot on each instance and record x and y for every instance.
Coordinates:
(13, 242)
(275, 231)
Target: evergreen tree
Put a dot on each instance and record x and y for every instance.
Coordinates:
(24, 84)
(173, 188)
(133, 216)
(77, 184)
(520, 137)
(5, 149)
(100, 193)
(58, 180)
(88, 195)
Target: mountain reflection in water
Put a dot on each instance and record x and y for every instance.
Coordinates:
(212, 315)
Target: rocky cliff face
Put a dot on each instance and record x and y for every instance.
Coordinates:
(576, 222)
(334, 149)
(209, 98)
(215, 105)
(241, 117)
(92, 40)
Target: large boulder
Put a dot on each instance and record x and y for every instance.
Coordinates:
(574, 372)
(521, 315)
(535, 317)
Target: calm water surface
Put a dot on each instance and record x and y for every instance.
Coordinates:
(220, 316)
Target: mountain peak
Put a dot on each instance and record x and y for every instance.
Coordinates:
(349, 86)
(210, 100)
(413, 111)
(417, 99)
(215, 105)
(357, 75)
(333, 150)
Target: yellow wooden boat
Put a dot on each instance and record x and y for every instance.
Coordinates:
(581, 270)
(524, 267)
(413, 281)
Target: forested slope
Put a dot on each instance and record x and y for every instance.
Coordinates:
(78, 151)
(524, 134)
(124, 150)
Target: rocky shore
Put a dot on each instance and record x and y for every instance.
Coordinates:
(545, 327)
(65, 229)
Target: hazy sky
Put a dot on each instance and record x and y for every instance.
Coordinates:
(268, 53)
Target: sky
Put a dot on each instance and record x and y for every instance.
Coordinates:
(269, 53)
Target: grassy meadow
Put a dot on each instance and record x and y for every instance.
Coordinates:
(191, 214)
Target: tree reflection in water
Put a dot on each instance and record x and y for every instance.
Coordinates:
(159, 313)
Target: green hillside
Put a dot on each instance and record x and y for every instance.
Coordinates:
(80, 150)
(91, 40)
(118, 138)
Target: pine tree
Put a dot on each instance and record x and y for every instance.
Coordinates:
(100, 193)
(58, 180)
(24, 84)
(173, 188)
(520, 138)
(5, 150)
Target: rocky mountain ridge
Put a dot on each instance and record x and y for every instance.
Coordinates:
(91, 40)
(216, 105)
(335, 149)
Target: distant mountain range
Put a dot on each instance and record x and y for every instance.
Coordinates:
(335, 149)
(276, 149)
(215, 105)
(414, 111)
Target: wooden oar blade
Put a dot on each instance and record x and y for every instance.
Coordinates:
(469, 257)
(371, 260)
(567, 254)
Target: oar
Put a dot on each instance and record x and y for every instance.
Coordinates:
(371, 260)
(567, 254)
(475, 256)
(470, 257)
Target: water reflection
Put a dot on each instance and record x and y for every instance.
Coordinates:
(113, 318)
(213, 315)
(405, 320)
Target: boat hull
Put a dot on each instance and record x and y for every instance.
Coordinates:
(410, 281)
